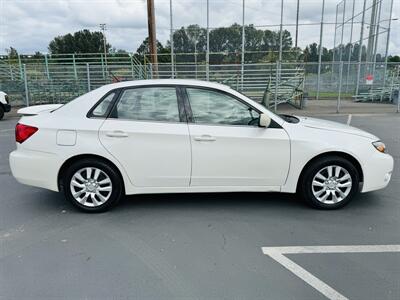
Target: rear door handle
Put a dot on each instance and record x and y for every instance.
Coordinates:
(117, 134)
(205, 138)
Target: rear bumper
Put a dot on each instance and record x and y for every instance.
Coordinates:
(377, 172)
(35, 168)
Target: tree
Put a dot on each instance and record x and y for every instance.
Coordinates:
(144, 47)
(38, 54)
(12, 52)
(311, 53)
(394, 58)
(144, 50)
(82, 41)
(227, 43)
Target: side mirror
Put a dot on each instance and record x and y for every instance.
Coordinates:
(264, 121)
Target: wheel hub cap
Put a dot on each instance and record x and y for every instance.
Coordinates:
(331, 184)
(91, 186)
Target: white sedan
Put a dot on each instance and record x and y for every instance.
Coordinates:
(179, 136)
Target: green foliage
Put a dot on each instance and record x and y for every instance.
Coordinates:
(12, 53)
(82, 41)
(226, 43)
(144, 50)
(38, 54)
(394, 58)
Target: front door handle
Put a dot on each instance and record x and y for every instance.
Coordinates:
(205, 138)
(117, 134)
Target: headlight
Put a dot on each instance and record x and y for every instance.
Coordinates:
(380, 146)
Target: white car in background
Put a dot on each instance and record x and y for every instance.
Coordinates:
(4, 104)
(180, 136)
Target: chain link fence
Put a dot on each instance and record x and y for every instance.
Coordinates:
(59, 81)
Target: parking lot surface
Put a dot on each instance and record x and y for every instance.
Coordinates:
(196, 246)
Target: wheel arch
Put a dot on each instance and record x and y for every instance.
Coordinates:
(344, 155)
(79, 157)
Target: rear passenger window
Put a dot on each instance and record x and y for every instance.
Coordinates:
(148, 104)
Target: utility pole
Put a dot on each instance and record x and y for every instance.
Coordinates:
(103, 28)
(151, 22)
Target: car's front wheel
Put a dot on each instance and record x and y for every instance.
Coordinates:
(92, 185)
(329, 183)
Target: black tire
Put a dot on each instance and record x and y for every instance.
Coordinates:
(117, 191)
(305, 188)
(1, 112)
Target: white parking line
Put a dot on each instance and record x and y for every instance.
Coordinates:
(278, 254)
(349, 119)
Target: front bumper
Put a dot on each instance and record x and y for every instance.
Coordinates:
(7, 107)
(35, 168)
(377, 172)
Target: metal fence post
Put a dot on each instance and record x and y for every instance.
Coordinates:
(281, 33)
(376, 36)
(26, 86)
(334, 42)
(132, 69)
(47, 66)
(398, 102)
(340, 86)
(208, 44)
(341, 47)
(342, 34)
(171, 38)
(21, 72)
(360, 48)
(75, 72)
(102, 66)
(88, 76)
(351, 47)
(387, 42)
(320, 49)
(243, 46)
(10, 67)
(277, 75)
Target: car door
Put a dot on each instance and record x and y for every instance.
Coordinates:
(228, 146)
(149, 136)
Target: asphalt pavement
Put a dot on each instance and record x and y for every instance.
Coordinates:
(196, 246)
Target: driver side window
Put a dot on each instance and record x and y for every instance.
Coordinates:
(212, 107)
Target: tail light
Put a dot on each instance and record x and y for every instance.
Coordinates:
(24, 132)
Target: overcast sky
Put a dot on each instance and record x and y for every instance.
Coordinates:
(29, 25)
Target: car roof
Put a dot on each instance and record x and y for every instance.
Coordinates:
(168, 82)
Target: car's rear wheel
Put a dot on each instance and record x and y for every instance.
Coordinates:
(92, 185)
(1, 112)
(329, 183)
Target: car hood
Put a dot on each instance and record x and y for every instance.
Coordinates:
(334, 126)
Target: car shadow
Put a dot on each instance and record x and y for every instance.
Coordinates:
(238, 201)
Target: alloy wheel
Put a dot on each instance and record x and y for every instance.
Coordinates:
(331, 184)
(91, 186)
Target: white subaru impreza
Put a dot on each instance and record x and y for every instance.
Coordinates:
(179, 136)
